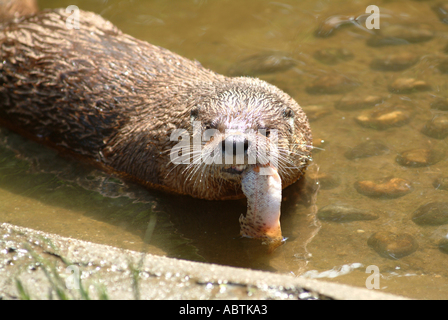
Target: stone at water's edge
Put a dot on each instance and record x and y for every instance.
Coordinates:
(169, 278)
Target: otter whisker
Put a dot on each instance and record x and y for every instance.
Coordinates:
(189, 155)
(192, 168)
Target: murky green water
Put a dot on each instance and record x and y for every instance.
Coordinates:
(43, 191)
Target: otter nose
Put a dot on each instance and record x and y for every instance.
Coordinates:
(235, 145)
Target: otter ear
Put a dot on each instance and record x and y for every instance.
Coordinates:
(288, 113)
(194, 113)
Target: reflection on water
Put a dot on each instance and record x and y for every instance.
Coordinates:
(377, 101)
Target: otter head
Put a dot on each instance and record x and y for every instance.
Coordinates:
(245, 123)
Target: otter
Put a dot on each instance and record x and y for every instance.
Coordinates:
(115, 101)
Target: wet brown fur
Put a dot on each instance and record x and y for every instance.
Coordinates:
(17, 8)
(115, 100)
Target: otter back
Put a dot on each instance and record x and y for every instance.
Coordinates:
(77, 88)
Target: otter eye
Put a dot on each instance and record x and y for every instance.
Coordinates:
(288, 113)
(210, 125)
(194, 113)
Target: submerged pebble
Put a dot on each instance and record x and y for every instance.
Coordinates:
(440, 104)
(344, 213)
(401, 34)
(384, 117)
(443, 66)
(388, 188)
(417, 158)
(326, 181)
(431, 214)
(333, 56)
(391, 245)
(408, 85)
(263, 63)
(441, 183)
(443, 245)
(332, 84)
(394, 62)
(437, 127)
(316, 112)
(367, 149)
(350, 102)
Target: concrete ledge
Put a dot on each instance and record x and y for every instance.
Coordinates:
(39, 262)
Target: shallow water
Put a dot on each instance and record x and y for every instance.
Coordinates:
(41, 190)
